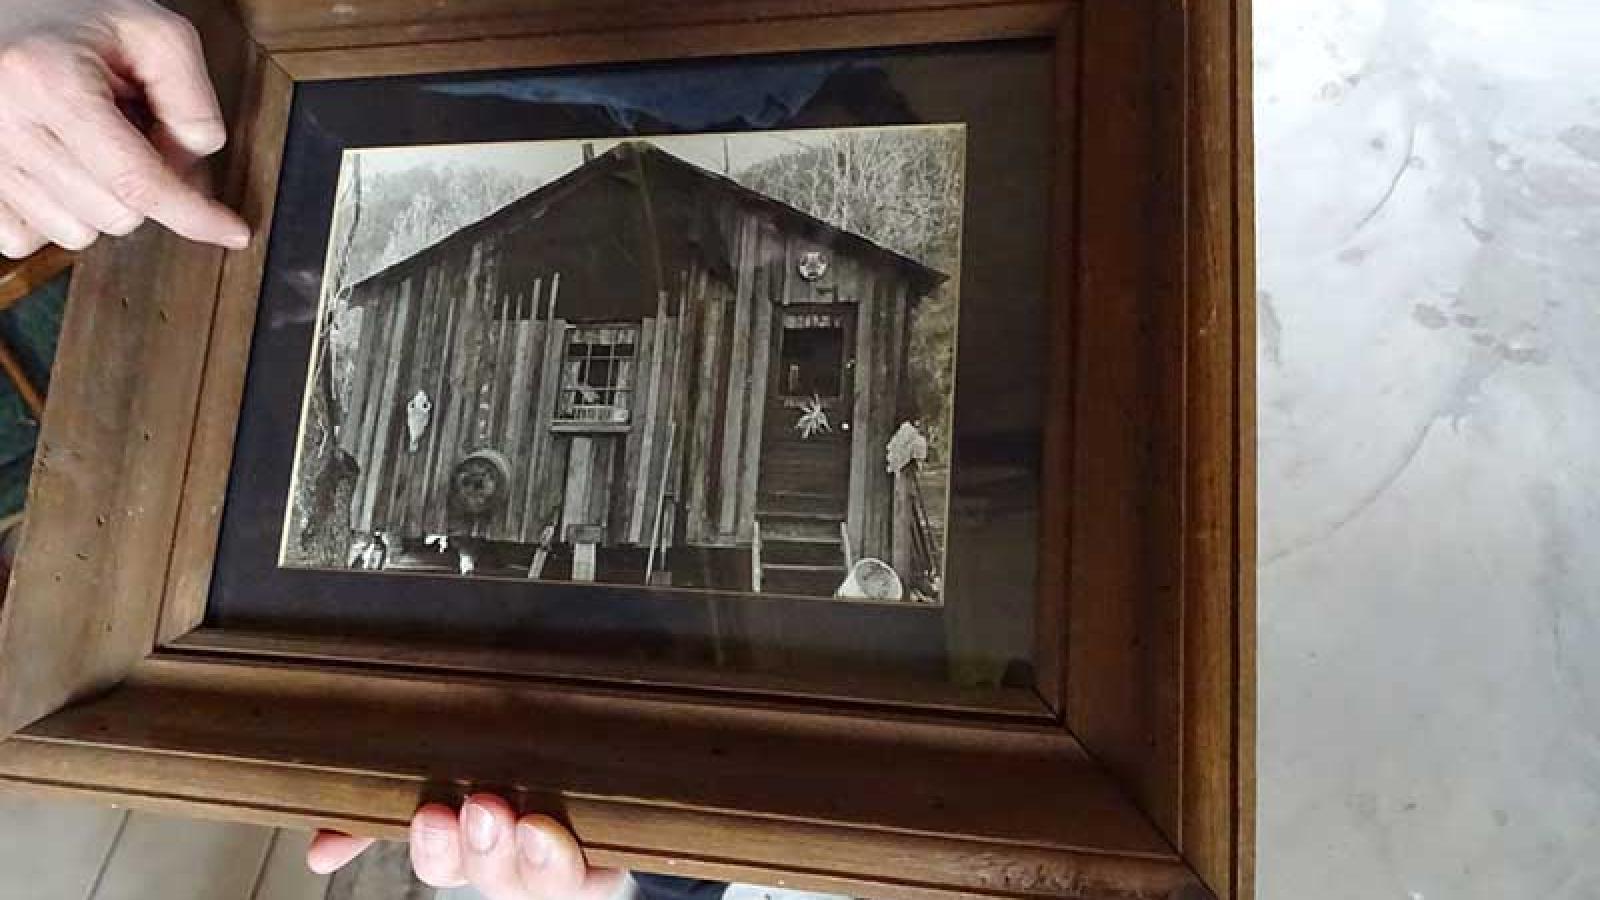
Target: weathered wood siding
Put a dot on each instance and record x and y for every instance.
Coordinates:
(480, 326)
(482, 351)
(881, 343)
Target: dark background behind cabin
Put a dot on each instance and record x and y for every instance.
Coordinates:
(1001, 381)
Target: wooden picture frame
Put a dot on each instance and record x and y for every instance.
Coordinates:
(1131, 777)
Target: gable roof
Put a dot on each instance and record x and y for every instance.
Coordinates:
(924, 278)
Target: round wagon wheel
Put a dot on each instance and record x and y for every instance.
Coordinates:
(480, 485)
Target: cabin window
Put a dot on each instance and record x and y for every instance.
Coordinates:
(598, 379)
(812, 364)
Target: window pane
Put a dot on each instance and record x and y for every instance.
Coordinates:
(813, 361)
(599, 373)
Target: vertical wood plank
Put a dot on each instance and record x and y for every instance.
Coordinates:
(488, 353)
(668, 452)
(443, 395)
(361, 389)
(738, 391)
(521, 403)
(408, 488)
(861, 437)
(650, 422)
(761, 338)
(703, 464)
(634, 488)
(676, 469)
(530, 447)
(600, 490)
(549, 390)
(382, 314)
(502, 352)
(388, 406)
(461, 288)
(580, 474)
(400, 461)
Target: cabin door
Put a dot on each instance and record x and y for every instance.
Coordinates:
(806, 446)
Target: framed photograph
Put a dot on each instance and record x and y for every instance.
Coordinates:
(749, 397)
(646, 362)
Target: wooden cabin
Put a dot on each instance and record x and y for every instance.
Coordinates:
(619, 363)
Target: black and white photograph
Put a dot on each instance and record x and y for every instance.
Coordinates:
(714, 362)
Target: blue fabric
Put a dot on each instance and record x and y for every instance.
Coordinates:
(766, 93)
(31, 327)
(666, 887)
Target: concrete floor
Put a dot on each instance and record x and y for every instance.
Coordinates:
(1429, 180)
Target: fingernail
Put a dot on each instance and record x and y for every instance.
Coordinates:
(482, 830)
(203, 138)
(237, 239)
(432, 841)
(535, 846)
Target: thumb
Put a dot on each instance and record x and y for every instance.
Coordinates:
(163, 55)
(331, 851)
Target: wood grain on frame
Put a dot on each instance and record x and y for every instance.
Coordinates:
(1219, 556)
(687, 34)
(262, 132)
(284, 26)
(1245, 547)
(718, 845)
(1057, 500)
(1125, 606)
(857, 691)
(1157, 677)
(626, 772)
(110, 465)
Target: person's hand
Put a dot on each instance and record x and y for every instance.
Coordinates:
(488, 847)
(72, 164)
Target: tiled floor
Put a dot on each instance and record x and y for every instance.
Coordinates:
(61, 851)
(69, 851)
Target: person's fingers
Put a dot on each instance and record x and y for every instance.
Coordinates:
(42, 213)
(163, 53)
(550, 864)
(191, 168)
(70, 96)
(489, 848)
(18, 240)
(436, 847)
(124, 161)
(39, 155)
(331, 851)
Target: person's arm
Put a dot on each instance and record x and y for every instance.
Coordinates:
(72, 164)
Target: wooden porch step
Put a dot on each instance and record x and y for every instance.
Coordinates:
(806, 551)
(787, 515)
(831, 539)
(802, 567)
(810, 502)
(801, 580)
